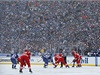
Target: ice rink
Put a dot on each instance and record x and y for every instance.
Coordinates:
(39, 70)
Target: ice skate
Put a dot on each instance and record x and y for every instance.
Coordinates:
(67, 66)
(55, 66)
(30, 70)
(20, 71)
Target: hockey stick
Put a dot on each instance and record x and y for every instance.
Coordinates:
(71, 62)
(39, 60)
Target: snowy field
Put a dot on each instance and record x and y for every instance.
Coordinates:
(39, 70)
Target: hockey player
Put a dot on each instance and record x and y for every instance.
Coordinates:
(59, 58)
(77, 58)
(13, 59)
(25, 59)
(47, 57)
(64, 53)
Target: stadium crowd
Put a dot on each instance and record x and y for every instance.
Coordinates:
(50, 25)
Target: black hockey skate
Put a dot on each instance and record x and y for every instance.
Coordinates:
(14, 68)
(20, 71)
(61, 66)
(72, 66)
(67, 66)
(55, 66)
(45, 66)
(30, 70)
(78, 66)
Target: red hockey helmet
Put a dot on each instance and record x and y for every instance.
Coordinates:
(73, 52)
(26, 50)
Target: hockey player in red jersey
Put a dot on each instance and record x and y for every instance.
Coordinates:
(59, 58)
(77, 58)
(25, 59)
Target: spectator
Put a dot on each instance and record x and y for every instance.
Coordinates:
(45, 23)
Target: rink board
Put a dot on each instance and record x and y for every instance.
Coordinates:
(86, 61)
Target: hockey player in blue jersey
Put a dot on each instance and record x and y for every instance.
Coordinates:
(47, 57)
(13, 59)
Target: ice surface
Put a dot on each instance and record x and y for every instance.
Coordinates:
(39, 70)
